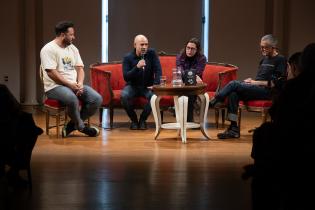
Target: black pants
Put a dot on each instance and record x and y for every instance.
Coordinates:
(128, 94)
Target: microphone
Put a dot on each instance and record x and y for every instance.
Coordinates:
(143, 52)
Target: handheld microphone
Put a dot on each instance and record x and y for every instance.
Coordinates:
(142, 56)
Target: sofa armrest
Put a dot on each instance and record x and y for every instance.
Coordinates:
(225, 77)
(100, 82)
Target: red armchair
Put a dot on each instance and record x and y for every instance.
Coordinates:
(261, 106)
(217, 75)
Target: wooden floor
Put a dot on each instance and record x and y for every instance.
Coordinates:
(124, 169)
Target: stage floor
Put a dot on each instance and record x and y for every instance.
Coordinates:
(127, 169)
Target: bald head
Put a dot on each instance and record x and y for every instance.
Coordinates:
(141, 44)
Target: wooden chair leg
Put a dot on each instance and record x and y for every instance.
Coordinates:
(216, 117)
(223, 117)
(239, 116)
(66, 116)
(111, 115)
(264, 115)
(57, 123)
(100, 118)
(47, 122)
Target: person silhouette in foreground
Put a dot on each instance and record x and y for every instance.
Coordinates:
(18, 137)
(283, 148)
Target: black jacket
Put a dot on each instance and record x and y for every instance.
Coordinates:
(139, 77)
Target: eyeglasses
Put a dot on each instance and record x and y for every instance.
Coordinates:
(191, 48)
(266, 47)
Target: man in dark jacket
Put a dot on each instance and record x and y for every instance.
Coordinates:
(141, 69)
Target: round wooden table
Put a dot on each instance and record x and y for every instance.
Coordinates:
(180, 94)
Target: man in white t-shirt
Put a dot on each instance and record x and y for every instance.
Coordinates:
(63, 77)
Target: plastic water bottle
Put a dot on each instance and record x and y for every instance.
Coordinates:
(177, 77)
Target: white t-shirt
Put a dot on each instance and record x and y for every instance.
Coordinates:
(64, 60)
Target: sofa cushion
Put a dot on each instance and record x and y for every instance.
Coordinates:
(165, 101)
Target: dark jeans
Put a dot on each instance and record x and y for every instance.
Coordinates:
(236, 91)
(128, 94)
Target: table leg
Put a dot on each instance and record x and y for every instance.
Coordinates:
(183, 104)
(204, 106)
(155, 105)
(177, 114)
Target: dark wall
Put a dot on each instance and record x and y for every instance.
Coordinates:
(235, 30)
(86, 16)
(10, 45)
(167, 24)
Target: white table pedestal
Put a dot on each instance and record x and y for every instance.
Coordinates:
(181, 124)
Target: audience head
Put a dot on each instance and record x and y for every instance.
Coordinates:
(307, 60)
(268, 45)
(192, 48)
(294, 68)
(141, 44)
(65, 31)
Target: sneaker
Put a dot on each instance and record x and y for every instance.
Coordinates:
(90, 131)
(67, 129)
(143, 125)
(134, 126)
(231, 132)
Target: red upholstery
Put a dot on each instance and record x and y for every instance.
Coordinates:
(52, 103)
(168, 62)
(211, 75)
(257, 103)
(261, 106)
(55, 103)
(107, 79)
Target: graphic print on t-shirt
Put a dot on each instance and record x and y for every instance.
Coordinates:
(67, 63)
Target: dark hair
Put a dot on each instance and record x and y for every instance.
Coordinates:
(294, 61)
(196, 42)
(307, 61)
(62, 27)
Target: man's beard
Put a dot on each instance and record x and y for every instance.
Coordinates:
(67, 42)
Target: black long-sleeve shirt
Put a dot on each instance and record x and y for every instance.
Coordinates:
(272, 68)
(142, 77)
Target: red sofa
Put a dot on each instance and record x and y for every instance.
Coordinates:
(107, 79)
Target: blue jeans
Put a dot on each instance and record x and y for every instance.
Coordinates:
(236, 91)
(90, 99)
(128, 94)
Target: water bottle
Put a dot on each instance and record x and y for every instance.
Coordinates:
(177, 77)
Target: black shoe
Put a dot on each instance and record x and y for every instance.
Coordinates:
(90, 131)
(142, 125)
(134, 126)
(231, 132)
(67, 129)
(215, 103)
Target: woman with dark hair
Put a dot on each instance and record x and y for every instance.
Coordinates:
(191, 58)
